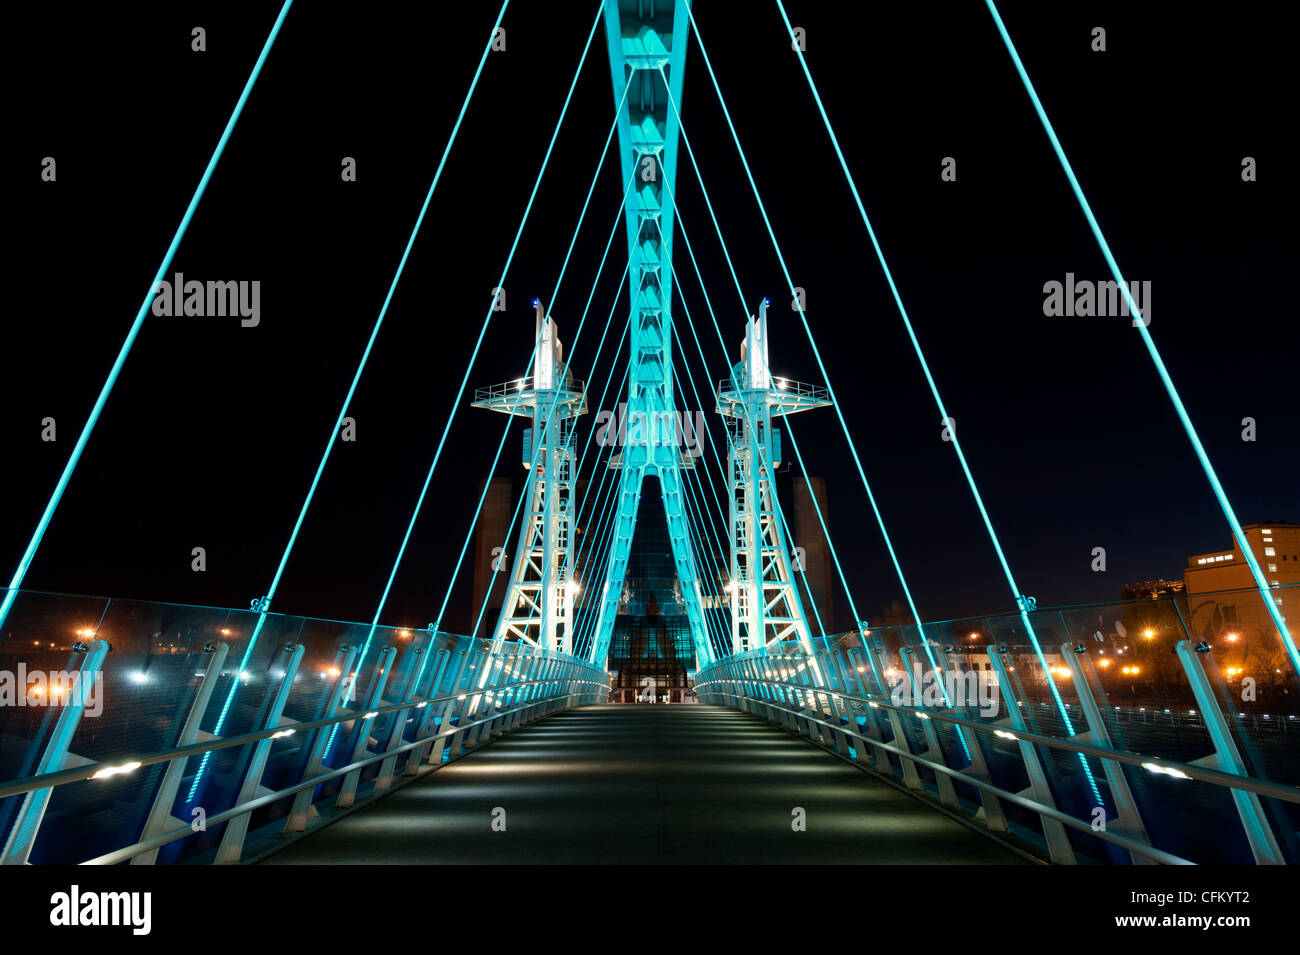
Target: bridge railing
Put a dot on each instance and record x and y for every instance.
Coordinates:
(1156, 730)
(156, 732)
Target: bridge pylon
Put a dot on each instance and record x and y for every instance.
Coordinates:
(647, 49)
(765, 603)
(538, 605)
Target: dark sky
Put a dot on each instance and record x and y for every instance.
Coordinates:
(214, 431)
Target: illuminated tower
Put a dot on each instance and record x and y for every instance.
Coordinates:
(538, 606)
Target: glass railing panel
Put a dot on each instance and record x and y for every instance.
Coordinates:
(39, 633)
(148, 686)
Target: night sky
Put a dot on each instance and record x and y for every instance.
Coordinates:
(213, 432)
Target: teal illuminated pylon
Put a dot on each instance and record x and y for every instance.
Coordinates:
(647, 44)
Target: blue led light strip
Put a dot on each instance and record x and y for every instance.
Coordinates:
(1021, 600)
(1141, 325)
(52, 505)
(668, 186)
(916, 617)
(264, 603)
(505, 431)
(596, 542)
(780, 511)
(601, 539)
(533, 463)
(582, 502)
(703, 531)
(428, 479)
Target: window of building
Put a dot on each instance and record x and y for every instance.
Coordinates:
(1270, 552)
(1272, 568)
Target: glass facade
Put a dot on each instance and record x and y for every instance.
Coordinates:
(651, 653)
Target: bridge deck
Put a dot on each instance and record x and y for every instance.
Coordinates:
(646, 784)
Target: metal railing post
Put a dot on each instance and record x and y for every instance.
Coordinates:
(1126, 808)
(417, 756)
(1226, 757)
(160, 818)
(384, 779)
(232, 838)
(990, 806)
(303, 802)
(1059, 849)
(471, 703)
(361, 727)
(907, 768)
(18, 847)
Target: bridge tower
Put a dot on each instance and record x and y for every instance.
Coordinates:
(538, 606)
(765, 602)
(647, 43)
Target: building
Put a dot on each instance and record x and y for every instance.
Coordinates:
(811, 551)
(1223, 601)
(491, 532)
(1153, 589)
(651, 653)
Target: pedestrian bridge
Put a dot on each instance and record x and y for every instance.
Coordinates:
(148, 733)
(141, 739)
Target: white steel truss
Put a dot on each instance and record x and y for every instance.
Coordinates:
(538, 605)
(765, 603)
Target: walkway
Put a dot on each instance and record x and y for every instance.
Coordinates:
(646, 784)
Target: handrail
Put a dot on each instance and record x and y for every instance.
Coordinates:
(157, 842)
(87, 771)
(1123, 842)
(1215, 776)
